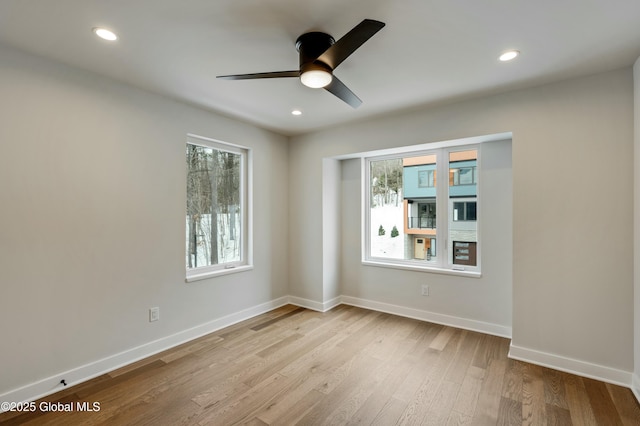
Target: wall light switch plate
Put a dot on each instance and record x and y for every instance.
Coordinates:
(154, 314)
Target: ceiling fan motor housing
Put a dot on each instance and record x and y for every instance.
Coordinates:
(311, 46)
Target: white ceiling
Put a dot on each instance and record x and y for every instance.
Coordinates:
(428, 52)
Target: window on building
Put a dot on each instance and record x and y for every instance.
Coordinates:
(417, 220)
(426, 215)
(426, 178)
(216, 219)
(463, 176)
(464, 210)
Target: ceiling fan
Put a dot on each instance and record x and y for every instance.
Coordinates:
(320, 54)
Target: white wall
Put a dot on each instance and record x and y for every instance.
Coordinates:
(331, 214)
(572, 154)
(636, 222)
(92, 220)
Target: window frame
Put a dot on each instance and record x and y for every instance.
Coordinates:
(444, 262)
(246, 211)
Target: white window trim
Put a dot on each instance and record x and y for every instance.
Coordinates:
(442, 221)
(197, 275)
(246, 196)
(413, 266)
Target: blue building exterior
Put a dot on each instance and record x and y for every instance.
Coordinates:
(419, 193)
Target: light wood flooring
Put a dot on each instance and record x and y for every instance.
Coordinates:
(344, 367)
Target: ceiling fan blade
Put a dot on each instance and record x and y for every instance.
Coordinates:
(276, 74)
(337, 88)
(348, 44)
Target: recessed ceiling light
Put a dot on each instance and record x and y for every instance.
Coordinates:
(296, 112)
(509, 55)
(105, 34)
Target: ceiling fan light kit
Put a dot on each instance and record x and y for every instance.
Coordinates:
(316, 79)
(315, 75)
(319, 56)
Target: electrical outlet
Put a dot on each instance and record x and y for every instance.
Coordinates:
(425, 290)
(154, 314)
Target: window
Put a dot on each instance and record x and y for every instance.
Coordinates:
(416, 220)
(426, 215)
(216, 217)
(463, 176)
(426, 178)
(464, 210)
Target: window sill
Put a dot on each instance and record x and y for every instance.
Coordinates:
(197, 276)
(430, 269)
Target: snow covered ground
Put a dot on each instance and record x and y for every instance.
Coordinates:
(383, 245)
(228, 247)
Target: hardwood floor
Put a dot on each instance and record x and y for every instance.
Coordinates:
(344, 367)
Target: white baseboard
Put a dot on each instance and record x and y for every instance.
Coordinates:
(483, 327)
(635, 386)
(313, 305)
(464, 323)
(573, 366)
(86, 372)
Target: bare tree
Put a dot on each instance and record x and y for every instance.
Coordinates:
(386, 181)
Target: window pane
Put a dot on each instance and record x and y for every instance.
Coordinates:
(454, 177)
(463, 229)
(386, 206)
(427, 215)
(471, 211)
(423, 179)
(213, 206)
(458, 211)
(466, 176)
(419, 196)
